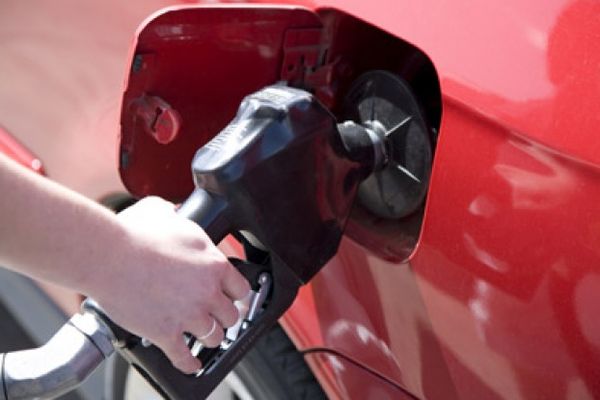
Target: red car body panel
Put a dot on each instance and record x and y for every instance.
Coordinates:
(344, 379)
(498, 300)
(14, 149)
(500, 297)
(173, 65)
(531, 66)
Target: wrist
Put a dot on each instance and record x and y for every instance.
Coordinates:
(105, 260)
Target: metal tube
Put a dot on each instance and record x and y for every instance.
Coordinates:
(60, 365)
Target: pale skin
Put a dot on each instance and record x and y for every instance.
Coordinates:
(154, 272)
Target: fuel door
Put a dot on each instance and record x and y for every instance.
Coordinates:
(189, 69)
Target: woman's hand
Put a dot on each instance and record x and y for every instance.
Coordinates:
(169, 278)
(155, 273)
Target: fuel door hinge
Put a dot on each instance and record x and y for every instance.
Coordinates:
(306, 62)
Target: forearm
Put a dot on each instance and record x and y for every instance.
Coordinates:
(51, 233)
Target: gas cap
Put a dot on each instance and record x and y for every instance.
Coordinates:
(384, 103)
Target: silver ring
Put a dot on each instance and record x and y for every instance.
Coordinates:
(212, 330)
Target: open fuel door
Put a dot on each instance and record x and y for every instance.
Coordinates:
(253, 91)
(190, 68)
(272, 164)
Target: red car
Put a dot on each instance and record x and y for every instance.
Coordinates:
(487, 287)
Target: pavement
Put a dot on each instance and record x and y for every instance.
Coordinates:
(12, 337)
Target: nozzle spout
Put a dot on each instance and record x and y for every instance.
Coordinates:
(363, 145)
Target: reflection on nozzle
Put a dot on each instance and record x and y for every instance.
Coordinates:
(253, 240)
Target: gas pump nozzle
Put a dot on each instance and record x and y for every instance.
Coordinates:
(284, 175)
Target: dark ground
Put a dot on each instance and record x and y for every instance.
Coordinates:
(12, 337)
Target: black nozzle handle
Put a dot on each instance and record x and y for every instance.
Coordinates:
(172, 384)
(209, 211)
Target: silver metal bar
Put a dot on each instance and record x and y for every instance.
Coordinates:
(60, 365)
(242, 306)
(35, 312)
(264, 280)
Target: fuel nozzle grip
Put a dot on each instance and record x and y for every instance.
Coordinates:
(284, 176)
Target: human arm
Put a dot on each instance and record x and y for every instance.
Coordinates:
(154, 272)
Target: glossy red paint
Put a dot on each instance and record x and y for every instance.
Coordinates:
(507, 263)
(346, 380)
(500, 297)
(202, 62)
(255, 46)
(531, 66)
(12, 148)
(372, 312)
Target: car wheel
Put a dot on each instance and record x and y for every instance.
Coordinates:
(273, 369)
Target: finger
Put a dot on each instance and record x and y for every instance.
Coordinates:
(234, 284)
(159, 202)
(154, 204)
(224, 311)
(180, 356)
(211, 337)
(148, 205)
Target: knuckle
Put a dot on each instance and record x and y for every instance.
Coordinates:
(210, 292)
(231, 316)
(241, 288)
(198, 241)
(244, 288)
(203, 324)
(199, 315)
